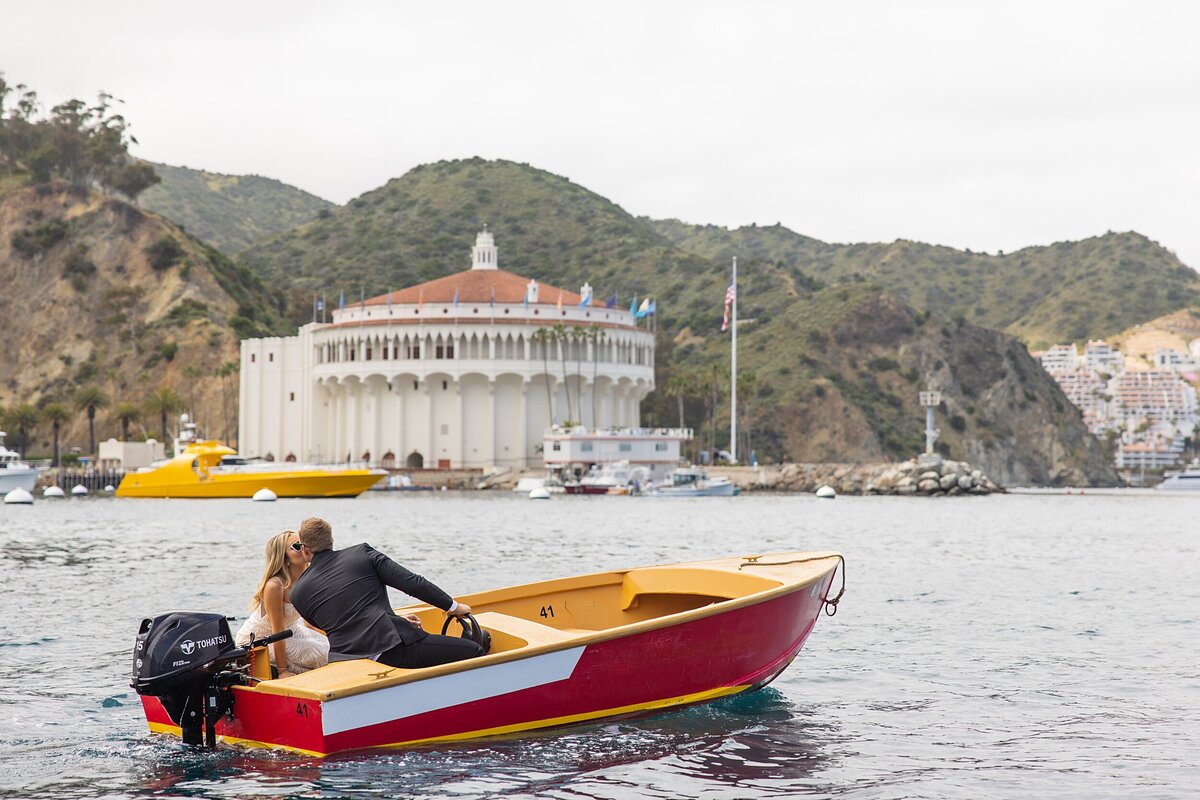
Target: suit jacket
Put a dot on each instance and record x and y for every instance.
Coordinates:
(344, 593)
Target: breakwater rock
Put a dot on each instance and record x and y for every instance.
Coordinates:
(927, 475)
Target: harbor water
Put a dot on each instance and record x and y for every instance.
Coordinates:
(1029, 645)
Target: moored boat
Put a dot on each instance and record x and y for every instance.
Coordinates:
(211, 469)
(15, 473)
(616, 477)
(612, 644)
(694, 482)
(1185, 479)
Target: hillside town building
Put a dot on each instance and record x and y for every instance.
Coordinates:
(1148, 405)
(465, 371)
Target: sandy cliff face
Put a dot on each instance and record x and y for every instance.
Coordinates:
(99, 293)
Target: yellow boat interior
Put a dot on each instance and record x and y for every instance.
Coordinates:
(571, 612)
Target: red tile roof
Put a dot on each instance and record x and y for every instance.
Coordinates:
(479, 286)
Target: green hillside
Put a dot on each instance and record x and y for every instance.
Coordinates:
(422, 226)
(1068, 291)
(229, 212)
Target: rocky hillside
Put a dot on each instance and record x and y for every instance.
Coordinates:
(1068, 291)
(230, 212)
(99, 293)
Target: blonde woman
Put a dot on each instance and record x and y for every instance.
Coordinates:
(272, 610)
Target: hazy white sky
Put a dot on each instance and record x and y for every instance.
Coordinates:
(988, 126)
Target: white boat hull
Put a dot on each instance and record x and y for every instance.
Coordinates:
(18, 479)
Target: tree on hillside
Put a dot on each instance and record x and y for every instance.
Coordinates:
(747, 392)
(126, 413)
(163, 401)
(85, 145)
(56, 414)
(579, 336)
(88, 399)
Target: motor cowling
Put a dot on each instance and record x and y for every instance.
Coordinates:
(180, 649)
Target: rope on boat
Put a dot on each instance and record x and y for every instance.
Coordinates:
(831, 604)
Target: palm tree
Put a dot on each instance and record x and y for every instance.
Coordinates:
(562, 336)
(56, 414)
(543, 337)
(223, 372)
(163, 401)
(24, 420)
(126, 413)
(579, 335)
(89, 398)
(193, 374)
(597, 336)
(747, 387)
(679, 387)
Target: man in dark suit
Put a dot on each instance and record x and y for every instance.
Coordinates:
(344, 593)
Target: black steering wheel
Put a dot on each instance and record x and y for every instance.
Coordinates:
(471, 629)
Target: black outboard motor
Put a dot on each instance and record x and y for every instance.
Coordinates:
(185, 659)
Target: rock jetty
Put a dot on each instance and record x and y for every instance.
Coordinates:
(926, 475)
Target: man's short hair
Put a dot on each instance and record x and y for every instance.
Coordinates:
(316, 535)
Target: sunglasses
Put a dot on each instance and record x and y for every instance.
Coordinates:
(296, 546)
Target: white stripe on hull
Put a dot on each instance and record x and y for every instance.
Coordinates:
(410, 699)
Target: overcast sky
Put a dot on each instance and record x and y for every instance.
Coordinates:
(983, 126)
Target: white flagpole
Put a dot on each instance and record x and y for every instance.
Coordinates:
(733, 374)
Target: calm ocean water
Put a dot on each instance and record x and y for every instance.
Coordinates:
(1030, 645)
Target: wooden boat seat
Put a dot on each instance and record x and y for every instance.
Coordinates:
(717, 583)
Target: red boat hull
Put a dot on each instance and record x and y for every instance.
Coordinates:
(694, 661)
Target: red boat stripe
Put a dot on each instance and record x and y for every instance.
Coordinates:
(406, 700)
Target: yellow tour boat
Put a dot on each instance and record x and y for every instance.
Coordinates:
(211, 469)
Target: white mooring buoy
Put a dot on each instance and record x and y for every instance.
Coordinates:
(53, 491)
(108, 487)
(539, 493)
(79, 490)
(264, 495)
(826, 492)
(18, 497)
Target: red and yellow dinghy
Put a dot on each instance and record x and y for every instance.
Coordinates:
(565, 651)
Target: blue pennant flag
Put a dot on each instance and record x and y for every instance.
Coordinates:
(633, 305)
(456, 297)
(611, 302)
(341, 300)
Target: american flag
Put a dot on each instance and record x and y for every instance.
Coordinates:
(729, 296)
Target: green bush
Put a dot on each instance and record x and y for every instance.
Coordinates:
(168, 350)
(164, 253)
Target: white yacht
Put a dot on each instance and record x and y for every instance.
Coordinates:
(1187, 478)
(15, 473)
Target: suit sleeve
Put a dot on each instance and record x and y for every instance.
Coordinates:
(396, 576)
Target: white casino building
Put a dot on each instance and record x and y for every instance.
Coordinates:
(450, 373)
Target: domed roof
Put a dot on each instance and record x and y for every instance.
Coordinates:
(479, 286)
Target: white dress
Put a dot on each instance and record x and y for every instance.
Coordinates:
(306, 649)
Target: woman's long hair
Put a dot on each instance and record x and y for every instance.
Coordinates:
(276, 566)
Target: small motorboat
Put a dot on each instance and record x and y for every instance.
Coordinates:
(573, 650)
(694, 482)
(617, 477)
